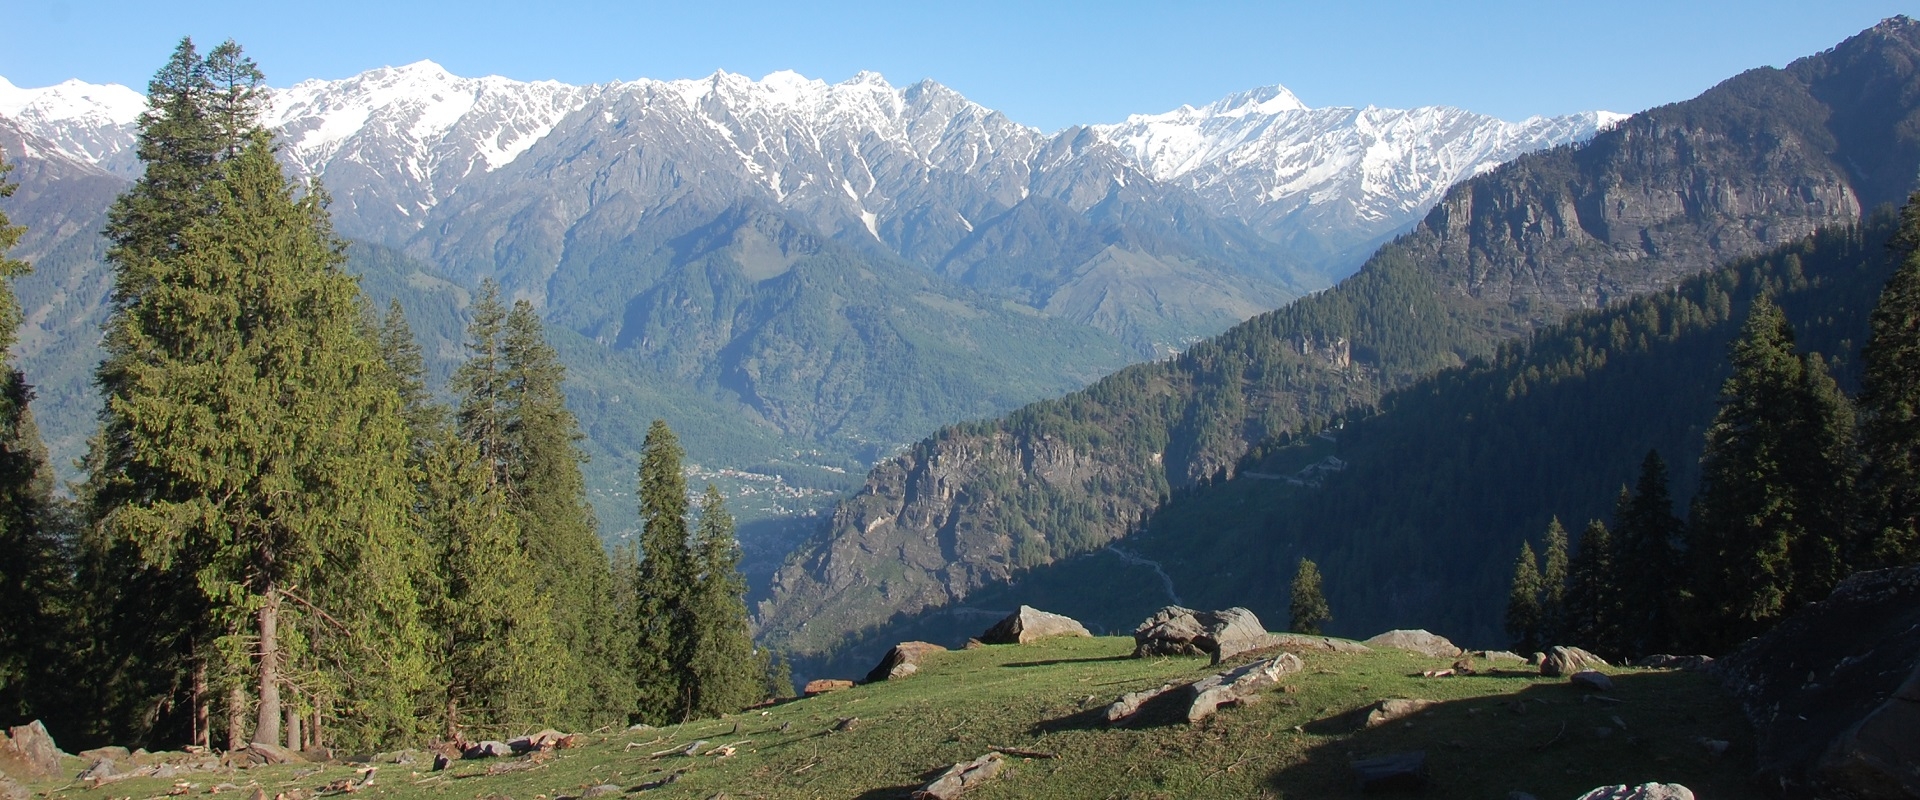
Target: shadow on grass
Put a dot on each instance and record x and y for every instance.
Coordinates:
(903, 790)
(1053, 661)
(1549, 740)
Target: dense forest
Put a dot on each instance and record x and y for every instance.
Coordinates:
(283, 537)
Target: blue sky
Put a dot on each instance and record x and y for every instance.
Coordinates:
(1047, 64)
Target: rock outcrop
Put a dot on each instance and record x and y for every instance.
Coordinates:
(1416, 641)
(823, 686)
(1833, 692)
(902, 660)
(1562, 660)
(28, 753)
(1031, 624)
(1645, 791)
(1193, 702)
(961, 777)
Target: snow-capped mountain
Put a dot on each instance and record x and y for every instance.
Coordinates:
(1330, 177)
(915, 168)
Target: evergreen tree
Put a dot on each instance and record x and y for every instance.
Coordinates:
(35, 574)
(400, 351)
(1890, 408)
(1590, 595)
(1308, 609)
(1553, 586)
(247, 444)
(778, 674)
(1523, 602)
(662, 581)
(726, 675)
(1775, 488)
(1649, 570)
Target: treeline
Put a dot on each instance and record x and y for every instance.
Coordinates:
(283, 537)
(1799, 486)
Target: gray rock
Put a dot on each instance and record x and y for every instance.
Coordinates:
(1387, 711)
(1560, 661)
(1591, 679)
(1498, 655)
(902, 660)
(118, 754)
(1123, 710)
(488, 749)
(603, 790)
(1394, 772)
(1301, 642)
(28, 753)
(1031, 624)
(12, 790)
(102, 768)
(1416, 641)
(961, 777)
(1238, 686)
(1645, 791)
(1174, 631)
(1684, 663)
(441, 761)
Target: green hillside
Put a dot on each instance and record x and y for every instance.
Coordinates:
(1045, 698)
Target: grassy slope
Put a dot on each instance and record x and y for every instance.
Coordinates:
(1047, 696)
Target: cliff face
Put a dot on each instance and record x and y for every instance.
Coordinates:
(1760, 160)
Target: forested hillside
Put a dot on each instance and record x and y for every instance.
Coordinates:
(1758, 161)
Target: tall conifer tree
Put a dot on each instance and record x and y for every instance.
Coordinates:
(662, 581)
(1553, 586)
(727, 676)
(1890, 407)
(1591, 620)
(1523, 601)
(1308, 603)
(1649, 569)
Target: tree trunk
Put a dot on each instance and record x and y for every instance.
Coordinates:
(202, 727)
(268, 729)
(236, 717)
(294, 742)
(453, 713)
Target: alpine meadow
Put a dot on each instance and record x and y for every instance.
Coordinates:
(411, 434)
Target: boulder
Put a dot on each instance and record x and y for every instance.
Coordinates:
(1421, 642)
(823, 686)
(603, 790)
(11, 789)
(1833, 692)
(1491, 656)
(28, 753)
(1591, 679)
(1560, 661)
(1123, 710)
(272, 754)
(1684, 663)
(119, 754)
(1177, 631)
(901, 660)
(543, 741)
(1387, 711)
(960, 778)
(100, 770)
(1031, 624)
(1645, 791)
(1394, 772)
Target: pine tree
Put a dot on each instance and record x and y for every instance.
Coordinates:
(1553, 586)
(1523, 601)
(1590, 595)
(1775, 487)
(557, 526)
(1649, 569)
(400, 351)
(247, 443)
(1890, 410)
(1308, 609)
(726, 675)
(35, 582)
(777, 672)
(663, 581)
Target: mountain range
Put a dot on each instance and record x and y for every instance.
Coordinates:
(800, 276)
(1755, 163)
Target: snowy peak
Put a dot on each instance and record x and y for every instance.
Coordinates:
(89, 122)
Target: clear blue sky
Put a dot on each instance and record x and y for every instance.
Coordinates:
(1047, 64)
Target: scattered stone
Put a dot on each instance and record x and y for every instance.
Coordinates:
(223, 787)
(1394, 772)
(1177, 631)
(902, 660)
(11, 789)
(1031, 624)
(603, 790)
(28, 753)
(1683, 663)
(101, 769)
(1123, 710)
(973, 644)
(441, 761)
(961, 777)
(1416, 641)
(1464, 665)
(823, 686)
(543, 741)
(1645, 791)
(845, 724)
(1438, 673)
(488, 749)
(1387, 711)
(1560, 661)
(1498, 655)
(1591, 679)
(118, 754)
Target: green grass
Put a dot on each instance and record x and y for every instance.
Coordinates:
(1046, 697)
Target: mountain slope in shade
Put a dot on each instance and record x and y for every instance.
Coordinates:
(1760, 160)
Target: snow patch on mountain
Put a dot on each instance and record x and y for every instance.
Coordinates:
(92, 123)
